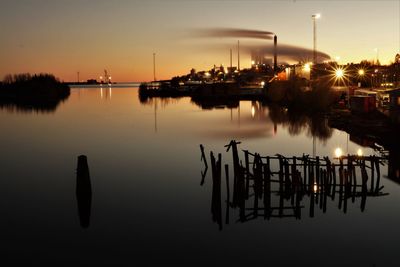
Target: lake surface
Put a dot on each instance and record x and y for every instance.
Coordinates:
(147, 206)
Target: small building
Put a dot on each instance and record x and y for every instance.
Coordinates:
(394, 105)
(362, 103)
(394, 99)
(92, 81)
(365, 92)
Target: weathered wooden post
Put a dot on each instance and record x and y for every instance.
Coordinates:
(372, 164)
(287, 179)
(267, 190)
(341, 182)
(216, 209)
(346, 190)
(334, 181)
(305, 172)
(378, 175)
(364, 177)
(227, 193)
(83, 191)
(325, 191)
(247, 163)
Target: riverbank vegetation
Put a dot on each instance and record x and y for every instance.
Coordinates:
(25, 92)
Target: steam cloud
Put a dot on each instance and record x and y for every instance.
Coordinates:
(233, 32)
(285, 51)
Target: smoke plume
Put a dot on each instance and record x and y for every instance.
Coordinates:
(234, 33)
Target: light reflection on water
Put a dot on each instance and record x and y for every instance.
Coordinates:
(145, 171)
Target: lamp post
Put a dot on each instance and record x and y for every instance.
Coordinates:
(314, 18)
(361, 73)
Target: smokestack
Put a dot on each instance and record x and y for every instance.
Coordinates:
(238, 57)
(275, 53)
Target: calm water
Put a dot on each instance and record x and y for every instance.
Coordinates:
(147, 204)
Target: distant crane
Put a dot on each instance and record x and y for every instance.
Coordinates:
(107, 78)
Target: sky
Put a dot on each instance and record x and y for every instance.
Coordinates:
(66, 36)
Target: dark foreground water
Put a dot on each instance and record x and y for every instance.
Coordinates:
(147, 206)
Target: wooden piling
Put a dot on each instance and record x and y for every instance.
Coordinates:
(364, 177)
(334, 181)
(372, 164)
(83, 191)
(346, 190)
(247, 164)
(227, 194)
(267, 190)
(378, 175)
(203, 156)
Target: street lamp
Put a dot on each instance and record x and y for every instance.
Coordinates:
(314, 18)
(361, 73)
(339, 73)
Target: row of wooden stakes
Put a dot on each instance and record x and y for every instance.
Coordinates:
(258, 190)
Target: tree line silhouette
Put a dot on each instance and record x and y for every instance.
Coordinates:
(38, 92)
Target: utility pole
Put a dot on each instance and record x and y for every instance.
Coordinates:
(154, 66)
(78, 76)
(238, 56)
(315, 41)
(231, 58)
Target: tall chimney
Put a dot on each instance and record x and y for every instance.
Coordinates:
(275, 53)
(238, 57)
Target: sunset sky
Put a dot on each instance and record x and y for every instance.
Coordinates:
(66, 36)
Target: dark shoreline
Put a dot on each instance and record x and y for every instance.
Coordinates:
(38, 92)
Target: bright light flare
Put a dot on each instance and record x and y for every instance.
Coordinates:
(339, 73)
(307, 67)
(262, 83)
(359, 152)
(338, 152)
(253, 111)
(361, 72)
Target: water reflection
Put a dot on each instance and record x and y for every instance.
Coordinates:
(105, 92)
(262, 121)
(32, 104)
(83, 191)
(282, 187)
